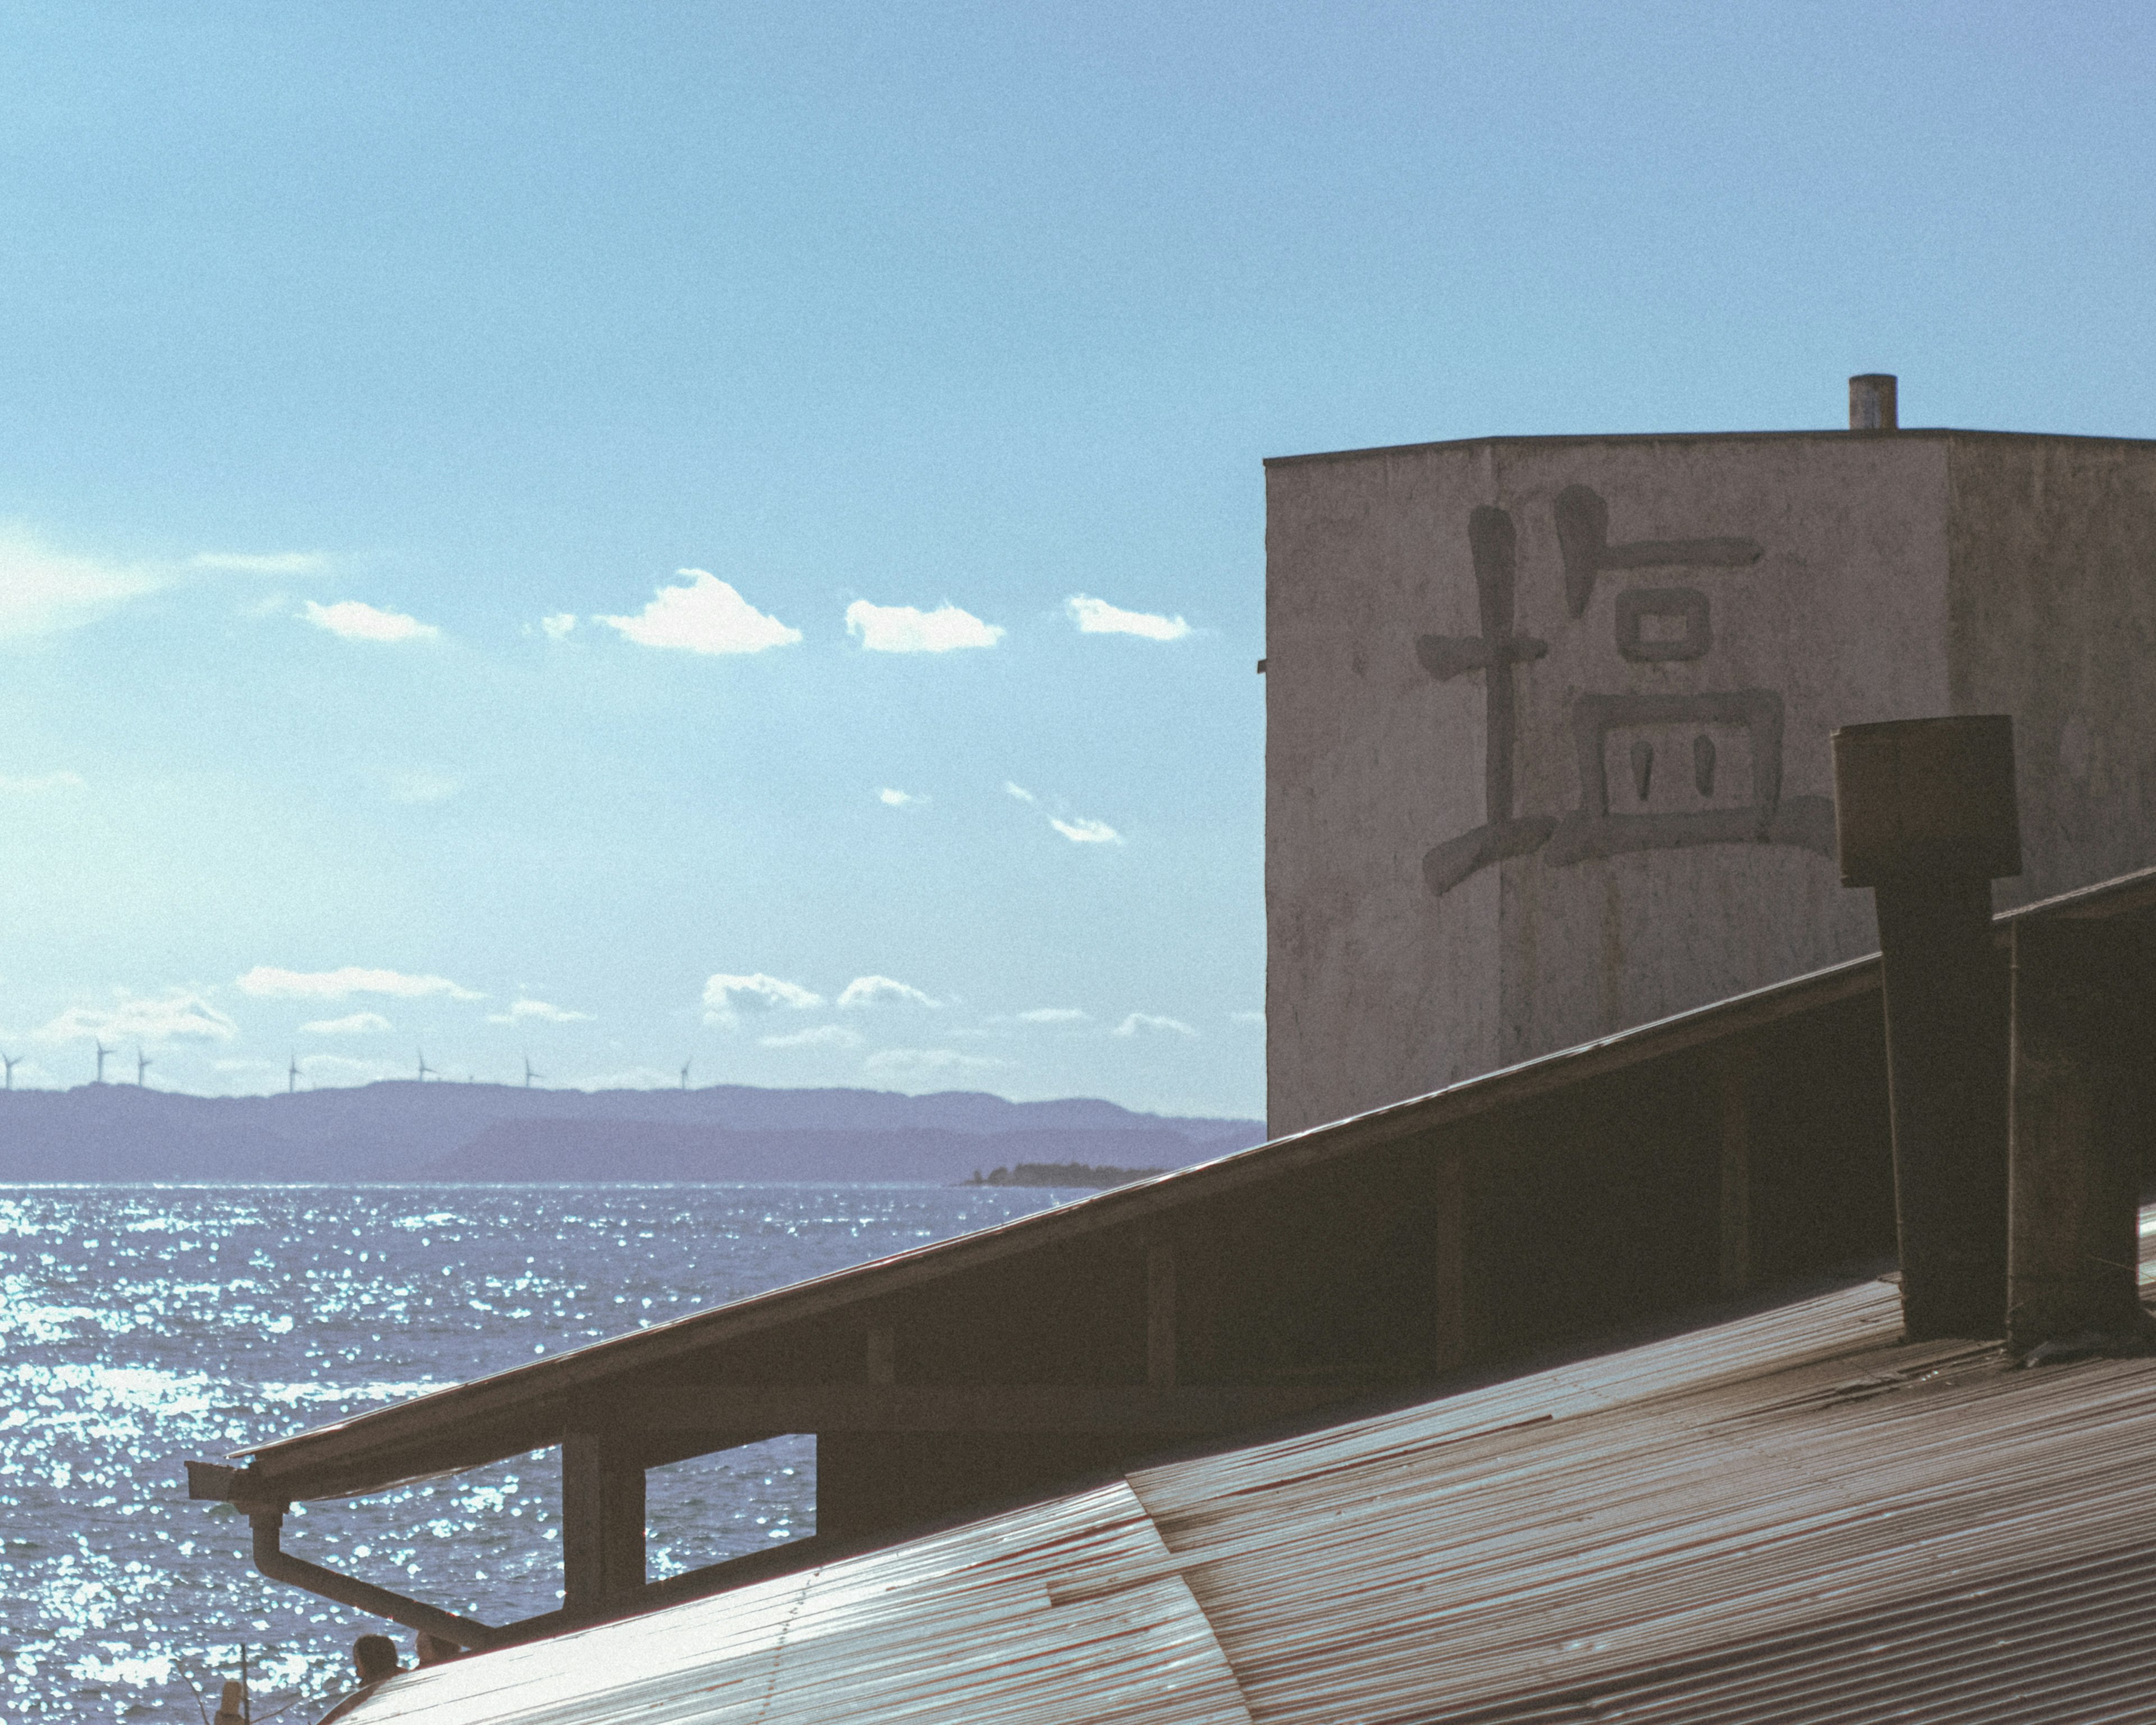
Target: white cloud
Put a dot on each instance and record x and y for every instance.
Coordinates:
(280, 562)
(1152, 1022)
(821, 1036)
(901, 629)
(882, 991)
(1020, 790)
(43, 591)
(357, 1024)
(529, 1011)
(725, 996)
(1053, 1015)
(558, 623)
(900, 799)
(706, 616)
(268, 982)
(1086, 832)
(929, 1060)
(177, 1017)
(1097, 617)
(354, 620)
(37, 784)
(1246, 1017)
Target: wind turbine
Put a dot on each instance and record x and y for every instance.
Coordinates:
(424, 1069)
(12, 1061)
(104, 1054)
(528, 1074)
(292, 1074)
(685, 1064)
(142, 1064)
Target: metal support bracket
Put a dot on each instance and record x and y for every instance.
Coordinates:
(273, 1561)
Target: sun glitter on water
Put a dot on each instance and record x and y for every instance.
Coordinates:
(142, 1327)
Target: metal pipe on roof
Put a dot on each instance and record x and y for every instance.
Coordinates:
(273, 1561)
(1925, 815)
(1872, 402)
(2081, 1019)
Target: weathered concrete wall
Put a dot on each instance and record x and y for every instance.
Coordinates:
(2052, 554)
(1546, 718)
(1742, 596)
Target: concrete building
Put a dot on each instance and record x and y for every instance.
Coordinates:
(1547, 717)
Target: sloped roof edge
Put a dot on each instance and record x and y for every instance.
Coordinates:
(563, 1374)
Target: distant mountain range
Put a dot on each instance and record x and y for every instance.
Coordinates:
(407, 1131)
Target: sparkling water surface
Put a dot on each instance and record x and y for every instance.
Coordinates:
(144, 1327)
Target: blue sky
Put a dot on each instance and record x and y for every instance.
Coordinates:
(359, 363)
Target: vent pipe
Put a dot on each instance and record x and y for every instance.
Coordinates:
(1924, 815)
(1871, 406)
(2081, 1018)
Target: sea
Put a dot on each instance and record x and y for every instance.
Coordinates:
(143, 1327)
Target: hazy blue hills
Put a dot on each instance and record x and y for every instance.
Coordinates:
(407, 1131)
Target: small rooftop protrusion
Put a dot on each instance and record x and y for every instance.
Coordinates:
(1871, 406)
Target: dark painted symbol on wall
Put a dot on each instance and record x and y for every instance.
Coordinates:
(1598, 829)
(1640, 608)
(1654, 625)
(1493, 545)
(1582, 541)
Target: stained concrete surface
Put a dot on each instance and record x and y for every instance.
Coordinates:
(1681, 620)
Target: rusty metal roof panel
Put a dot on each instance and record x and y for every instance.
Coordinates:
(1068, 1611)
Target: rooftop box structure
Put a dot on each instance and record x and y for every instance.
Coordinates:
(1547, 717)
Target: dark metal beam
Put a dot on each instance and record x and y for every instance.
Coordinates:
(966, 1407)
(603, 1520)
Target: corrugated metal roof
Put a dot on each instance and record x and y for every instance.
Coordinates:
(1791, 1517)
(504, 1396)
(1069, 1611)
